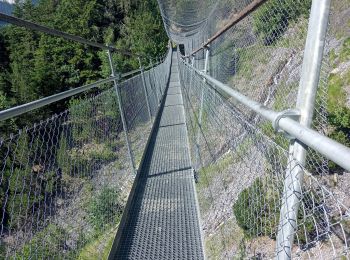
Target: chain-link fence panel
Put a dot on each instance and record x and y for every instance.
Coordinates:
(140, 97)
(261, 57)
(65, 181)
(241, 171)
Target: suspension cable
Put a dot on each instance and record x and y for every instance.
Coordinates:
(233, 21)
(37, 27)
(22, 109)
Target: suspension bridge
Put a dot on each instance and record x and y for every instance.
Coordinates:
(220, 150)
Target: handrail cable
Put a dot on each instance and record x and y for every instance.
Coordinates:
(22, 109)
(331, 149)
(37, 27)
(233, 21)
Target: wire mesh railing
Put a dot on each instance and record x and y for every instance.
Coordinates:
(65, 181)
(241, 172)
(241, 163)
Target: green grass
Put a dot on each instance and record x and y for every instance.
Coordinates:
(46, 244)
(297, 39)
(228, 234)
(242, 148)
(344, 54)
(255, 209)
(336, 93)
(208, 173)
(278, 138)
(338, 112)
(79, 160)
(250, 58)
(281, 97)
(271, 20)
(91, 250)
(104, 209)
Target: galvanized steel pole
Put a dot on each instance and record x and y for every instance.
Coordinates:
(191, 74)
(145, 89)
(329, 148)
(156, 80)
(25, 108)
(159, 83)
(153, 80)
(122, 115)
(309, 81)
(206, 62)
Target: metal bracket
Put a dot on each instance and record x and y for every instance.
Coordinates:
(288, 113)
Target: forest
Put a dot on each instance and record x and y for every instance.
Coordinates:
(67, 173)
(34, 65)
(53, 157)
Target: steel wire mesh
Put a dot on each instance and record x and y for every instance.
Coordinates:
(52, 170)
(241, 162)
(240, 172)
(65, 181)
(135, 103)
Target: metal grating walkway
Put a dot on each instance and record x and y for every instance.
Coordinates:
(162, 221)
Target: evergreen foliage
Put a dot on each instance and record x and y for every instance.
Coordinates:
(271, 27)
(34, 65)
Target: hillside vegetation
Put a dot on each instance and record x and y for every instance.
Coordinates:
(65, 180)
(35, 65)
(240, 197)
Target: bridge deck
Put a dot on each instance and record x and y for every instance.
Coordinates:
(162, 221)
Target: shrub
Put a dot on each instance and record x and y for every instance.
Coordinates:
(338, 113)
(273, 18)
(82, 161)
(26, 182)
(257, 212)
(27, 192)
(105, 209)
(81, 116)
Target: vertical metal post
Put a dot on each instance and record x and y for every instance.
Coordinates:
(145, 89)
(154, 80)
(309, 81)
(160, 83)
(122, 115)
(206, 63)
(191, 76)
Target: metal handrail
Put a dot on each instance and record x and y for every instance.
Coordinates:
(41, 28)
(329, 148)
(236, 18)
(22, 109)
(37, 27)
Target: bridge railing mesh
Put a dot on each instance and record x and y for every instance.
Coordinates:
(241, 163)
(64, 181)
(240, 177)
